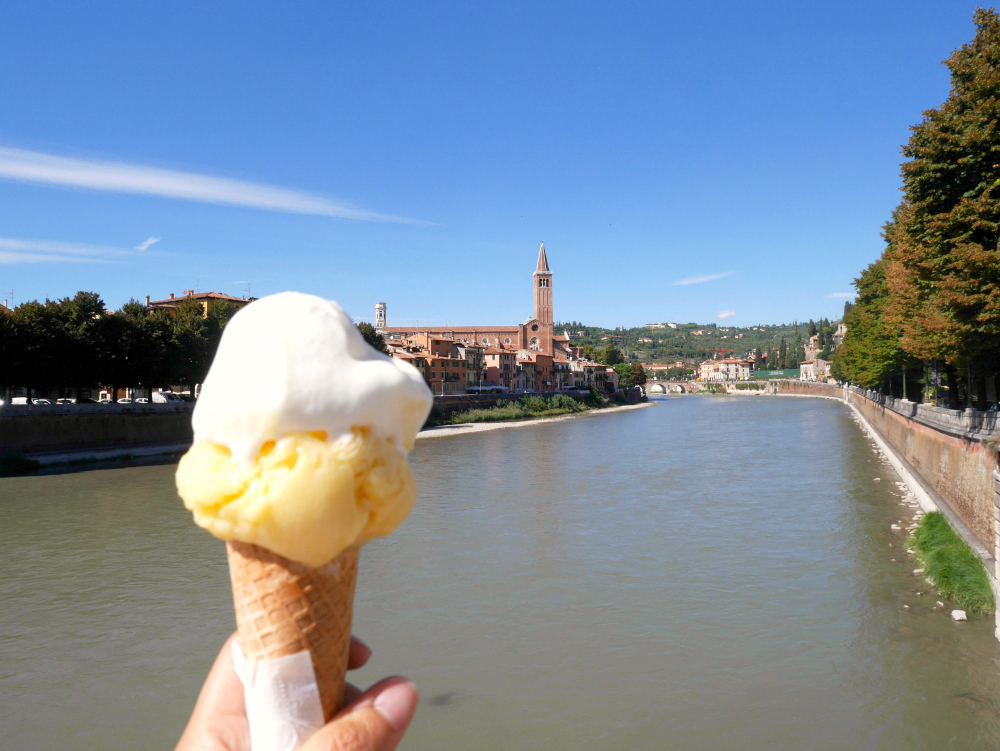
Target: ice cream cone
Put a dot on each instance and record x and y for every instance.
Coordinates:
(284, 607)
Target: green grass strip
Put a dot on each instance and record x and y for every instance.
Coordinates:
(957, 572)
(526, 408)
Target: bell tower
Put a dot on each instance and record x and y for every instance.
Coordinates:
(543, 288)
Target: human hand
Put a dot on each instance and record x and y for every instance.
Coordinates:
(372, 721)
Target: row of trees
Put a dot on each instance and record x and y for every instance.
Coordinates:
(931, 303)
(77, 342)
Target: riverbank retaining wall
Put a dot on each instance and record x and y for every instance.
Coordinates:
(958, 466)
(34, 430)
(954, 452)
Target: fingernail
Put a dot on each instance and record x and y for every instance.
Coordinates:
(397, 704)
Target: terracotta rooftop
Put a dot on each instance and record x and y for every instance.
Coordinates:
(191, 295)
(451, 329)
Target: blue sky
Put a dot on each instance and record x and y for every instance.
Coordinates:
(419, 153)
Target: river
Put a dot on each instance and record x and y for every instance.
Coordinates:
(711, 573)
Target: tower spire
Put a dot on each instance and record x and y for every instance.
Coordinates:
(542, 279)
(543, 262)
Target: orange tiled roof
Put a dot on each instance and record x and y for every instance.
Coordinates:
(201, 296)
(452, 329)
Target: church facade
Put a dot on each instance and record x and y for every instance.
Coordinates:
(535, 335)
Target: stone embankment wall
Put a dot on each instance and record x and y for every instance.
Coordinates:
(33, 430)
(809, 388)
(953, 451)
(958, 467)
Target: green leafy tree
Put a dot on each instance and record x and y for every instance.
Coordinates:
(10, 353)
(190, 347)
(625, 375)
(943, 260)
(78, 315)
(871, 354)
(609, 355)
(43, 338)
(638, 374)
(375, 340)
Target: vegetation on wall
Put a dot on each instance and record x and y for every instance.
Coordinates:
(953, 567)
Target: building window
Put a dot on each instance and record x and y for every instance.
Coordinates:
(486, 341)
(507, 340)
(534, 327)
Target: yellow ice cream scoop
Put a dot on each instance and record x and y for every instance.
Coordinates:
(301, 433)
(303, 497)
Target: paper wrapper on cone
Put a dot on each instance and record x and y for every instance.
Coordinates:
(285, 608)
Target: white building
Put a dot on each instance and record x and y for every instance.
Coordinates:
(814, 370)
(729, 369)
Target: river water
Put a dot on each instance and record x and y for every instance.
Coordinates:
(710, 573)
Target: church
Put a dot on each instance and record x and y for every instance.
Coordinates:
(535, 335)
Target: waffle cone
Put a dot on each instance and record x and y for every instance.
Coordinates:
(284, 607)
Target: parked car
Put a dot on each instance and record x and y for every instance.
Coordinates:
(42, 402)
(125, 400)
(85, 400)
(65, 401)
(166, 397)
(141, 400)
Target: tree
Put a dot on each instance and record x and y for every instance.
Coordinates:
(190, 352)
(871, 354)
(943, 260)
(812, 327)
(10, 353)
(588, 351)
(42, 340)
(375, 340)
(609, 355)
(625, 375)
(638, 374)
(79, 315)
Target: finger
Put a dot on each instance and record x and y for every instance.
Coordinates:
(223, 691)
(220, 710)
(375, 722)
(358, 654)
(351, 693)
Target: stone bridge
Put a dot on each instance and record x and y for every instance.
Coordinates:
(670, 387)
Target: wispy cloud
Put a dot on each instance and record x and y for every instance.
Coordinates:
(17, 250)
(144, 245)
(702, 279)
(840, 295)
(724, 314)
(118, 177)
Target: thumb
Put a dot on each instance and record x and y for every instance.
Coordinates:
(375, 722)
